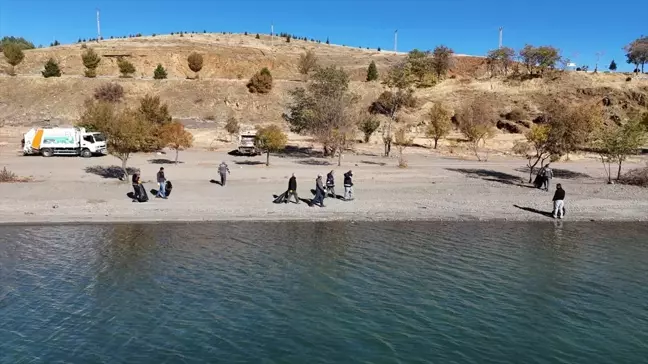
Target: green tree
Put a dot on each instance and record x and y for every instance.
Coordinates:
(195, 61)
(372, 72)
(637, 52)
(21, 42)
(125, 67)
(324, 110)
(91, 61)
(287, 38)
(327, 41)
(127, 131)
(51, 69)
(14, 55)
(420, 64)
(500, 60)
(158, 115)
(160, 73)
(565, 129)
(400, 80)
(615, 143)
(441, 60)
(258, 36)
(613, 66)
(539, 59)
(261, 82)
(476, 120)
(271, 139)
(368, 124)
(440, 123)
(307, 62)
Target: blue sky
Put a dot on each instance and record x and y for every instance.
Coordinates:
(579, 29)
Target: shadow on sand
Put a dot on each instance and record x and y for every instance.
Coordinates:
(492, 176)
(163, 161)
(535, 211)
(110, 172)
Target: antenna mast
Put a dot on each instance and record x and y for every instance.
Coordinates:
(396, 41)
(98, 27)
(501, 30)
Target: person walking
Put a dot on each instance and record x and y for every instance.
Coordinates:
(161, 180)
(330, 184)
(223, 170)
(320, 192)
(292, 189)
(348, 186)
(546, 178)
(559, 202)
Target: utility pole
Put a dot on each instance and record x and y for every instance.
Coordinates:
(272, 34)
(501, 30)
(98, 27)
(396, 41)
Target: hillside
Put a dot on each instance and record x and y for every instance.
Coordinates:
(231, 59)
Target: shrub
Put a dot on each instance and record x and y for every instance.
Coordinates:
(261, 82)
(307, 62)
(195, 62)
(14, 55)
(8, 176)
(257, 36)
(636, 177)
(160, 73)
(287, 39)
(51, 69)
(125, 67)
(372, 72)
(91, 61)
(440, 123)
(109, 92)
(232, 127)
(628, 79)
(368, 124)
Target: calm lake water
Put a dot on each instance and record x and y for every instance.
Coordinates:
(423, 292)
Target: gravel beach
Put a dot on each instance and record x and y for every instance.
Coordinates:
(77, 190)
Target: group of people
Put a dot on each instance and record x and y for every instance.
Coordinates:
(543, 182)
(139, 192)
(322, 190)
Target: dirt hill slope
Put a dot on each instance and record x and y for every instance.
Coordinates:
(231, 59)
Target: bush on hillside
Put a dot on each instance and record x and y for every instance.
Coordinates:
(636, 177)
(160, 73)
(516, 114)
(195, 61)
(372, 72)
(261, 82)
(91, 61)
(14, 55)
(125, 67)
(51, 69)
(109, 92)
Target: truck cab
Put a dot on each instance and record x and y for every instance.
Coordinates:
(247, 143)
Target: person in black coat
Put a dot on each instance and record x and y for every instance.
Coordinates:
(330, 184)
(348, 186)
(559, 202)
(292, 189)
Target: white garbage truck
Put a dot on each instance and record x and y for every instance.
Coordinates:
(63, 141)
(247, 143)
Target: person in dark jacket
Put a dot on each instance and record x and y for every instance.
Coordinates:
(559, 202)
(136, 190)
(320, 192)
(330, 184)
(348, 186)
(161, 180)
(292, 189)
(223, 170)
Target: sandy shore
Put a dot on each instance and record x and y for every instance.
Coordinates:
(432, 188)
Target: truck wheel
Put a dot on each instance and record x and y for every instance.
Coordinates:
(86, 153)
(47, 152)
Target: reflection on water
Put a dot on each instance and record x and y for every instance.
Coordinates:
(324, 293)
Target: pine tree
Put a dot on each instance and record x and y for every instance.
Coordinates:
(372, 72)
(613, 66)
(91, 61)
(257, 36)
(287, 39)
(51, 69)
(327, 41)
(378, 49)
(160, 73)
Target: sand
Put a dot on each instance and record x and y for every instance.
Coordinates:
(433, 187)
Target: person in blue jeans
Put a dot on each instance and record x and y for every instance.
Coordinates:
(161, 180)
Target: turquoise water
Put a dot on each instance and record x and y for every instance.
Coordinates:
(423, 292)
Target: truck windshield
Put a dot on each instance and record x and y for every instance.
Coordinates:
(99, 137)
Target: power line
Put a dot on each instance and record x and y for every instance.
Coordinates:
(396, 41)
(501, 30)
(98, 27)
